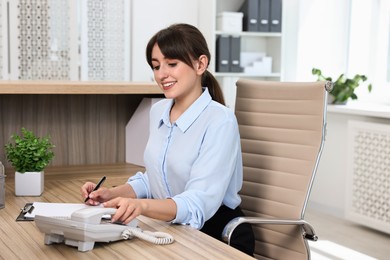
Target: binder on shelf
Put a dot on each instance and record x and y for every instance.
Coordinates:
(223, 53)
(275, 16)
(250, 9)
(235, 50)
(264, 15)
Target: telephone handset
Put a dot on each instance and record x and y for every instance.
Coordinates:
(89, 225)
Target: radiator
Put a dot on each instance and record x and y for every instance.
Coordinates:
(368, 178)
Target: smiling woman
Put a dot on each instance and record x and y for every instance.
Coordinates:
(194, 141)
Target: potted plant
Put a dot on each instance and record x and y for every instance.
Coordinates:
(29, 155)
(343, 87)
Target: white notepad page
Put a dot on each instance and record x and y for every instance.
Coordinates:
(56, 209)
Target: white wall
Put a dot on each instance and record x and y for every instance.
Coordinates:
(290, 28)
(148, 17)
(328, 192)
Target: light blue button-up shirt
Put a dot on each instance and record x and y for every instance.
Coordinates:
(196, 160)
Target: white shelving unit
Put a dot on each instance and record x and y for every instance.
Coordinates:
(269, 43)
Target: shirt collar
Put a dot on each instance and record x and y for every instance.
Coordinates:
(190, 115)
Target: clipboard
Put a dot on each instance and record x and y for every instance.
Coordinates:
(28, 208)
(62, 210)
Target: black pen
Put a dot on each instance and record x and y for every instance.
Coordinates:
(97, 186)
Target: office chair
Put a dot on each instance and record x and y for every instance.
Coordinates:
(282, 128)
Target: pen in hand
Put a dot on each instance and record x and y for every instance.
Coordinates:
(96, 187)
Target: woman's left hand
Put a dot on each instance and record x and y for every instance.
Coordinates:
(127, 209)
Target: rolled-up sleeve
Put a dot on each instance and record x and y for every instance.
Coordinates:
(140, 184)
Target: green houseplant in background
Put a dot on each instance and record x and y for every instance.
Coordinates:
(343, 88)
(29, 155)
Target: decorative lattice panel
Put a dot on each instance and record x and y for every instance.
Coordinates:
(3, 41)
(106, 38)
(41, 48)
(368, 193)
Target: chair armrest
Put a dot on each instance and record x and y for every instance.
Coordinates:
(308, 230)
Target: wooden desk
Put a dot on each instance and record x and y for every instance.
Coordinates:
(23, 240)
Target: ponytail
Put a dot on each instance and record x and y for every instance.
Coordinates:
(209, 81)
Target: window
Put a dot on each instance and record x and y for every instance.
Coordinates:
(369, 47)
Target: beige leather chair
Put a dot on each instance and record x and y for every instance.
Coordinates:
(282, 128)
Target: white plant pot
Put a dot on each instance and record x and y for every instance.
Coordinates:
(29, 183)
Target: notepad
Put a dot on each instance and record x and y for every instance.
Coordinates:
(56, 209)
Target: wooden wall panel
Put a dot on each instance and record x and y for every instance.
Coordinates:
(75, 128)
(86, 129)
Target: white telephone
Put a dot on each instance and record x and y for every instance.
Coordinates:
(87, 226)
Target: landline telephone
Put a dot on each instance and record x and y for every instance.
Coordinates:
(89, 225)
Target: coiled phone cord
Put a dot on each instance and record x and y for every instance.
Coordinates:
(158, 238)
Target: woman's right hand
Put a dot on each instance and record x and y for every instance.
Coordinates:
(95, 197)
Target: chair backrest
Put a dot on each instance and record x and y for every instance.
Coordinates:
(282, 128)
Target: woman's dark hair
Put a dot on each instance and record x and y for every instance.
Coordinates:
(186, 43)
